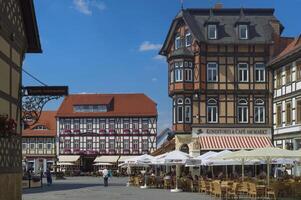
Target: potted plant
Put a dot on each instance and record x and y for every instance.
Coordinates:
(7, 126)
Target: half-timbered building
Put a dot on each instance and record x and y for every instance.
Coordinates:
(114, 125)
(18, 35)
(217, 77)
(287, 96)
(38, 143)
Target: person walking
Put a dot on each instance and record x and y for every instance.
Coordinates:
(48, 177)
(105, 175)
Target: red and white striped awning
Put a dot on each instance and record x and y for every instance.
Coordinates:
(233, 142)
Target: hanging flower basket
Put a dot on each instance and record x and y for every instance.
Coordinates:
(8, 126)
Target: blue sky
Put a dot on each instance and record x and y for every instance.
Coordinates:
(111, 46)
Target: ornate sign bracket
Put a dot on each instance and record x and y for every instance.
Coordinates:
(34, 99)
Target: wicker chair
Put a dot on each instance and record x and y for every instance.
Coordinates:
(232, 192)
(202, 186)
(270, 193)
(216, 189)
(167, 183)
(243, 188)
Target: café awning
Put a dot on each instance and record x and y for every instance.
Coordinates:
(68, 159)
(233, 142)
(106, 159)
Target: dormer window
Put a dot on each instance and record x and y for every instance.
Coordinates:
(243, 32)
(40, 127)
(177, 41)
(90, 108)
(212, 32)
(188, 39)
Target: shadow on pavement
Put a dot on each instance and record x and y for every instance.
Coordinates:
(66, 186)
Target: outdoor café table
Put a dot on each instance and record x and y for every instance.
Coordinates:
(225, 189)
(261, 189)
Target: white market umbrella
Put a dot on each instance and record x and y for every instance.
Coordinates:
(102, 164)
(177, 158)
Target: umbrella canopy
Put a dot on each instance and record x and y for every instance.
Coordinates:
(140, 160)
(175, 157)
(102, 164)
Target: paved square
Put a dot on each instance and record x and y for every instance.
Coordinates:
(91, 188)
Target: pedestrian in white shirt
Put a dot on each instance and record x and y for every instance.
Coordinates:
(105, 175)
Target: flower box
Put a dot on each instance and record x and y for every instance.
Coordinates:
(102, 130)
(136, 130)
(76, 131)
(67, 131)
(112, 130)
(145, 130)
(126, 130)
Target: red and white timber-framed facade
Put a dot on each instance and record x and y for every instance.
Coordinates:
(38, 143)
(92, 125)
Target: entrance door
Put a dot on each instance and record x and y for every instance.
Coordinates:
(87, 164)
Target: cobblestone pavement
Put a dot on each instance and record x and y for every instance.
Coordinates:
(91, 188)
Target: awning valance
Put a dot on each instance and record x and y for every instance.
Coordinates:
(123, 158)
(233, 142)
(66, 164)
(67, 159)
(106, 159)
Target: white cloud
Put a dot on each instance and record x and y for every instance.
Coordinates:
(147, 46)
(159, 57)
(154, 79)
(86, 6)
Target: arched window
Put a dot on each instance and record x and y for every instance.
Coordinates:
(212, 111)
(180, 101)
(242, 110)
(187, 110)
(259, 111)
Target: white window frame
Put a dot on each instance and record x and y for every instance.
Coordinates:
(180, 107)
(89, 126)
(76, 144)
(126, 144)
(260, 67)
(211, 107)
(211, 69)
(188, 75)
(24, 146)
(102, 144)
(241, 70)
(177, 41)
(187, 114)
(49, 146)
(243, 110)
(187, 35)
(258, 108)
(145, 144)
(111, 142)
(215, 31)
(178, 71)
(135, 144)
(240, 28)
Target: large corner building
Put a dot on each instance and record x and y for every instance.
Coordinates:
(218, 80)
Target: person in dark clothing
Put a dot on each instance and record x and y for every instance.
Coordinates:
(49, 177)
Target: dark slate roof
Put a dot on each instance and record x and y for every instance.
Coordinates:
(260, 30)
(182, 52)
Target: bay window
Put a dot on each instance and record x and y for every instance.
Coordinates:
(178, 71)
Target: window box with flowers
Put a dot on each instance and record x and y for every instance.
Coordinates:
(135, 130)
(76, 151)
(112, 151)
(77, 131)
(126, 151)
(126, 130)
(82, 152)
(135, 151)
(102, 130)
(7, 126)
(67, 151)
(145, 130)
(111, 130)
(67, 131)
(102, 151)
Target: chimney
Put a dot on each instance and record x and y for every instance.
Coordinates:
(218, 5)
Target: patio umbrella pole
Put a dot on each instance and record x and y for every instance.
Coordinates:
(243, 169)
(268, 171)
(145, 185)
(176, 189)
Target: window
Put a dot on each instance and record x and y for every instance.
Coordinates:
(76, 144)
(188, 39)
(126, 124)
(40, 146)
(243, 32)
(90, 108)
(135, 125)
(102, 124)
(259, 111)
(242, 111)
(259, 72)
(243, 72)
(278, 79)
(187, 110)
(135, 145)
(278, 115)
(67, 144)
(288, 75)
(126, 144)
(188, 75)
(32, 146)
(177, 41)
(212, 72)
(288, 111)
(298, 71)
(145, 144)
(178, 71)
(180, 110)
(76, 125)
(212, 32)
(112, 125)
(102, 145)
(89, 126)
(40, 127)
(67, 125)
(171, 75)
(89, 144)
(111, 144)
(298, 111)
(24, 146)
(212, 113)
(49, 146)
